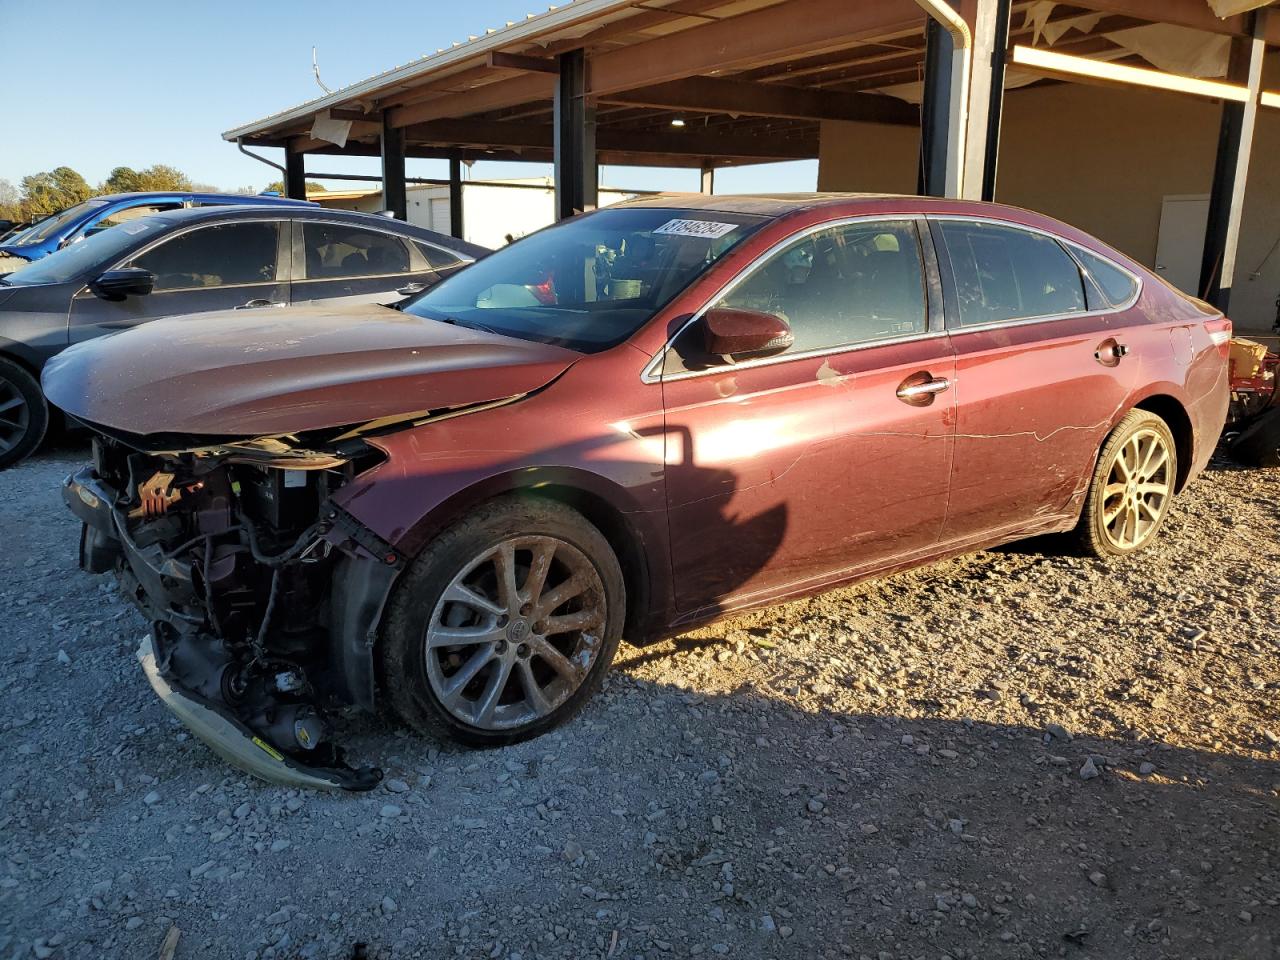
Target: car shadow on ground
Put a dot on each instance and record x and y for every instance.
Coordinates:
(878, 832)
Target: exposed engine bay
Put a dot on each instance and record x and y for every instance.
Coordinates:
(261, 593)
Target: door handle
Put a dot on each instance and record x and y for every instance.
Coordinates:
(919, 389)
(253, 304)
(411, 289)
(1110, 351)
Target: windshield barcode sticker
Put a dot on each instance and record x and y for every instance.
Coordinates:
(707, 229)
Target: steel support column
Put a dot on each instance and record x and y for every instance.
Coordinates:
(986, 97)
(931, 176)
(574, 139)
(455, 198)
(708, 180)
(394, 196)
(295, 175)
(945, 115)
(1231, 169)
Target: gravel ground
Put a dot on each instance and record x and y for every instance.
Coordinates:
(1019, 753)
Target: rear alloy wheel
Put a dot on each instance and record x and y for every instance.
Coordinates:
(24, 416)
(505, 625)
(1133, 485)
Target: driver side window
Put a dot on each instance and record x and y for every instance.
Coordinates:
(851, 284)
(226, 254)
(843, 286)
(124, 215)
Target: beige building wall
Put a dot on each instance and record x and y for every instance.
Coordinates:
(1102, 159)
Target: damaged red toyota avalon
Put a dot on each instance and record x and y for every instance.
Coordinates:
(624, 425)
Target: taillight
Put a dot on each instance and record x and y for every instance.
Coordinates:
(544, 292)
(1219, 330)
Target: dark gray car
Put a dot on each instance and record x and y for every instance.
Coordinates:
(192, 261)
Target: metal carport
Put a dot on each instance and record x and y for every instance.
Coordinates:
(712, 83)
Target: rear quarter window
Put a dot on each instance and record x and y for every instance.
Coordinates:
(1117, 286)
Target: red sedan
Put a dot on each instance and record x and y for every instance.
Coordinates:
(624, 425)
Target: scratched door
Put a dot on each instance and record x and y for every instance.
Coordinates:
(1038, 384)
(787, 470)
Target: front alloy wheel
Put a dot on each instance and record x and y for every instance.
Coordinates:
(1133, 485)
(505, 625)
(515, 633)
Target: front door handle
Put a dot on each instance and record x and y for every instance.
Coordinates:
(252, 304)
(919, 389)
(1110, 352)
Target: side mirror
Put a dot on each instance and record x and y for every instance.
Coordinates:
(122, 283)
(732, 333)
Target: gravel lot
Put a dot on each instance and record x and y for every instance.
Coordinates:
(1019, 753)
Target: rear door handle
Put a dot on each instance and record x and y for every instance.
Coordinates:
(919, 389)
(1110, 352)
(253, 304)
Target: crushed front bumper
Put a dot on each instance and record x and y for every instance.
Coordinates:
(237, 744)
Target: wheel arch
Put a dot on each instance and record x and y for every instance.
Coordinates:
(631, 533)
(15, 352)
(1172, 411)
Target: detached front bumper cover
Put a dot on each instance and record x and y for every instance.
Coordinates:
(238, 745)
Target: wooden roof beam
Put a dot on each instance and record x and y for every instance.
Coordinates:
(768, 35)
(490, 96)
(481, 133)
(714, 95)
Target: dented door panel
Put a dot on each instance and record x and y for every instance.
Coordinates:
(795, 471)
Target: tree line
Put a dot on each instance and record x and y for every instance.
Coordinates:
(41, 194)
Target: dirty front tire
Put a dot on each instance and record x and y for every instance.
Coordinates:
(1259, 443)
(24, 414)
(1132, 487)
(504, 626)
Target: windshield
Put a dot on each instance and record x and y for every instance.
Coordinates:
(99, 250)
(46, 228)
(590, 282)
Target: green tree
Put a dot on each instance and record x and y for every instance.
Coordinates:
(278, 187)
(156, 177)
(51, 191)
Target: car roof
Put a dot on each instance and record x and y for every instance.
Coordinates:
(780, 204)
(195, 195)
(316, 212)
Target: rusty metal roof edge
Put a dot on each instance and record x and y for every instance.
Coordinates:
(556, 18)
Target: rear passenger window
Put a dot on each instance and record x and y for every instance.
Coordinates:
(845, 285)
(1116, 285)
(336, 251)
(1003, 274)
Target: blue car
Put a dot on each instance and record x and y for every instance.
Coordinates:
(93, 216)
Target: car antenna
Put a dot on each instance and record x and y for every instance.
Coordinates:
(315, 69)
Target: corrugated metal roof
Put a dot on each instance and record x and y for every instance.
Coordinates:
(557, 23)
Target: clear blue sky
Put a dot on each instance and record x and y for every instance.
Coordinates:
(145, 82)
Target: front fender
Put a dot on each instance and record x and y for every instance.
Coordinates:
(600, 450)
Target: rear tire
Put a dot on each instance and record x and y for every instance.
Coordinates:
(1132, 487)
(24, 414)
(504, 626)
(1259, 443)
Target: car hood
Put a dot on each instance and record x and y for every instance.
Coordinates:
(276, 371)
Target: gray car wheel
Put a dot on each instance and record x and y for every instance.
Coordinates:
(24, 415)
(505, 625)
